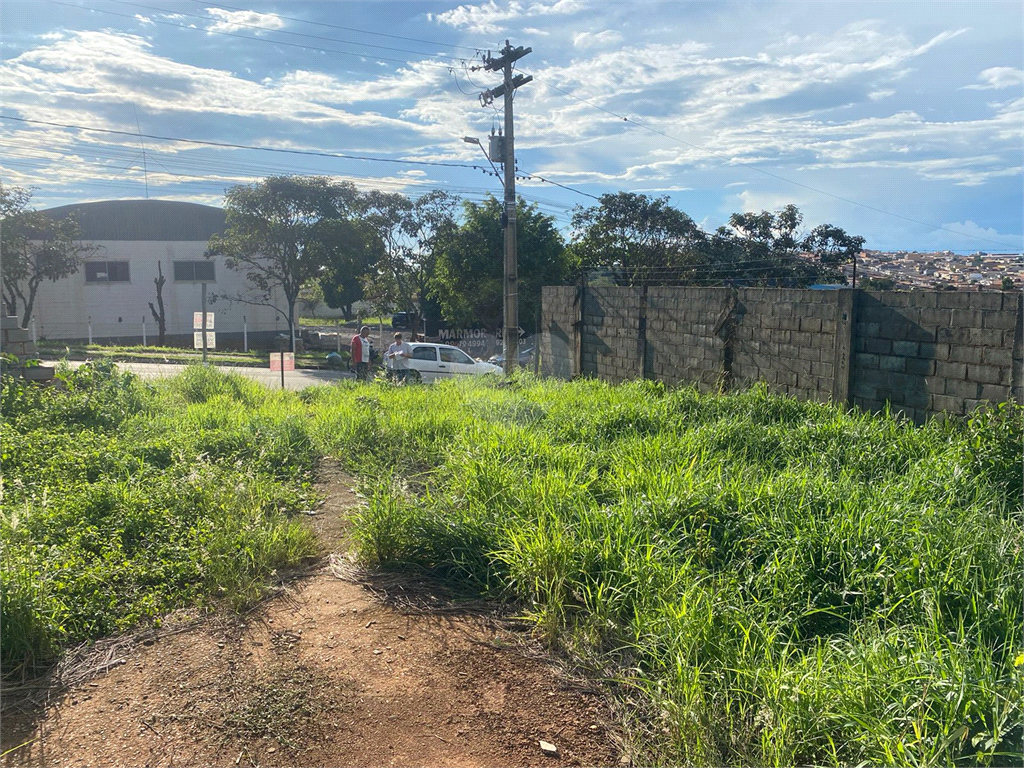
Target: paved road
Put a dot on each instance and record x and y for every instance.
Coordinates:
(292, 379)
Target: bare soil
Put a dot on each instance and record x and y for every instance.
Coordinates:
(325, 673)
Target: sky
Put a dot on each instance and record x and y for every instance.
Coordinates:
(900, 122)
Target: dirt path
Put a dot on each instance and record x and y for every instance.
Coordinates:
(325, 674)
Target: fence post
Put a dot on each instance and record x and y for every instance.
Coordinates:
(90, 330)
(144, 331)
(34, 338)
(642, 333)
(245, 334)
(846, 303)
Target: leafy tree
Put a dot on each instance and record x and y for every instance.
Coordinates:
(356, 256)
(768, 248)
(35, 248)
(1007, 283)
(281, 233)
(470, 264)
(638, 238)
(409, 232)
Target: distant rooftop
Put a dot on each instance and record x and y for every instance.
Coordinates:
(162, 220)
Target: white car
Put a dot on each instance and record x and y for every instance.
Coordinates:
(434, 362)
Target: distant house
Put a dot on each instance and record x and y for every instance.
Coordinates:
(112, 291)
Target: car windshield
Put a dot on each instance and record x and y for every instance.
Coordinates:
(451, 355)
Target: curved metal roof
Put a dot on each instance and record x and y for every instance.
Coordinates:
(143, 220)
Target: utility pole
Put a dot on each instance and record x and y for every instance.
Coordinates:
(509, 55)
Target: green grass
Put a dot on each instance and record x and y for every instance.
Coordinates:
(123, 501)
(780, 582)
(769, 582)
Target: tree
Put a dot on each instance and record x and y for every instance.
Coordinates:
(1007, 283)
(280, 233)
(35, 248)
(470, 264)
(409, 232)
(158, 311)
(769, 249)
(341, 281)
(639, 238)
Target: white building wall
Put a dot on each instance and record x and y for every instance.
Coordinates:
(63, 309)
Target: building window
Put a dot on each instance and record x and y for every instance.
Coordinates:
(107, 272)
(193, 271)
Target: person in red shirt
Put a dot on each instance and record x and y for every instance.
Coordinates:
(361, 353)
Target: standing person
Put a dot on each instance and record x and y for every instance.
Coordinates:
(398, 354)
(361, 353)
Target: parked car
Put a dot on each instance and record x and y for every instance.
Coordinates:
(434, 362)
(401, 320)
(525, 358)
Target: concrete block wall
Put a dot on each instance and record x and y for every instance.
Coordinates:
(935, 352)
(610, 334)
(684, 335)
(918, 353)
(559, 331)
(787, 338)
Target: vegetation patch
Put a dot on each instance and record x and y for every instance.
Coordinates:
(776, 582)
(122, 501)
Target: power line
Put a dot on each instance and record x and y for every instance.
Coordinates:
(254, 39)
(645, 127)
(229, 145)
(346, 29)
(271, 29)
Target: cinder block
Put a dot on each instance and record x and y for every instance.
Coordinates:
(927, 299)
(810, 324)
(965, 354)
(985, 337)
(967, 318)
(989, 374)
(878, 346)
(9, 321)
(963, 389)
(997, 356)
(920, 367)
(948, 404)
(1002, 320)
(995, 393)
(947, 370)
(906, 348)
(37, 373)
(957, 300)
(940, 318)
(865, 361)
(892, 363)
(15, 335)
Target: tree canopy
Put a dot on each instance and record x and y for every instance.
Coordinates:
(640, 240)
(470, 264)
(281, 232)
(35, 248)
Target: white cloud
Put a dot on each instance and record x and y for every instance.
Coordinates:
(144, 19)
(996, 78)
(879, 95)
(587, 40)
(232, 21)
(487, 18)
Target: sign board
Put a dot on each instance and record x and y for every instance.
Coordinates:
(197, 322)
(276, 360)
(211, 340)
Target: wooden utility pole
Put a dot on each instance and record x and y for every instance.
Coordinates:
(507, 89)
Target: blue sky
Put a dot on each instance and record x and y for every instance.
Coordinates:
(901, 122)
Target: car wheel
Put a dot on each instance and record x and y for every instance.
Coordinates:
(414, 376)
